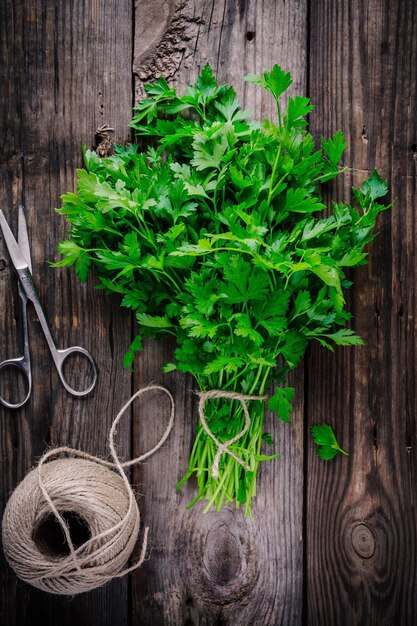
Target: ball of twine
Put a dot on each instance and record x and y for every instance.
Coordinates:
(95, 492)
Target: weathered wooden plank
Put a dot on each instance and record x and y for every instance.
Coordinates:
(218, 568)
(361, 518)
(65, 70)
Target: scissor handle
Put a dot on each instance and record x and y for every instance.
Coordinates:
(21, 363)
(60, 356)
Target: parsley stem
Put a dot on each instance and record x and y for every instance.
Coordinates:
(219, 487)
(274, 170)
(236, 377)
(283, 177)
(178, 288)
(325, 177)
(227, 249)
(235, 483)
(279, 113)
(264, 381)
(253, 388)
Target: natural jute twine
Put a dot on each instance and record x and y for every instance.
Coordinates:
(85, 486)
(224, 447)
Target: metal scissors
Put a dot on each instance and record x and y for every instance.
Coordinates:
(19, 252)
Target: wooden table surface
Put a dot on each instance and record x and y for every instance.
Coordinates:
(331, 543)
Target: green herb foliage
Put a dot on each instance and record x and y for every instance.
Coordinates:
(324, 438)
(217, 234)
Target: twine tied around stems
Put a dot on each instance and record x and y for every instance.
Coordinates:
(224, 447)
(95, 492)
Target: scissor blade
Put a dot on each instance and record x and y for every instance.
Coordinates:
(16, 256)
(23, 237)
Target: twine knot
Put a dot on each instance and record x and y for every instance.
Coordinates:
(224, 447)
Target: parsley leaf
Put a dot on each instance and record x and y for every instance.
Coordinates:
(334, 147)
(276, 82)
(281, 402)
(374, 186)
(324, 438)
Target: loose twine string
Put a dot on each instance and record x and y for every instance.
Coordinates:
(224, 447)
(100, 496)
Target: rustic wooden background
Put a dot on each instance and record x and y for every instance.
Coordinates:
(332, 543)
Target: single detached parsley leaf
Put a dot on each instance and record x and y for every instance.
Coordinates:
(324, 438)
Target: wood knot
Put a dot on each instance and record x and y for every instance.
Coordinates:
(224, 561)
(3, 265)
(222, 558)
(103, 143)
(365, 137)
(363, 541)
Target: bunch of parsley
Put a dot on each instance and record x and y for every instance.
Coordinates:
(216, 234)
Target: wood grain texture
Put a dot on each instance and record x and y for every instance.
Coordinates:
(64, 71)
(66, 68)
(218, 568)
(361, 516)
